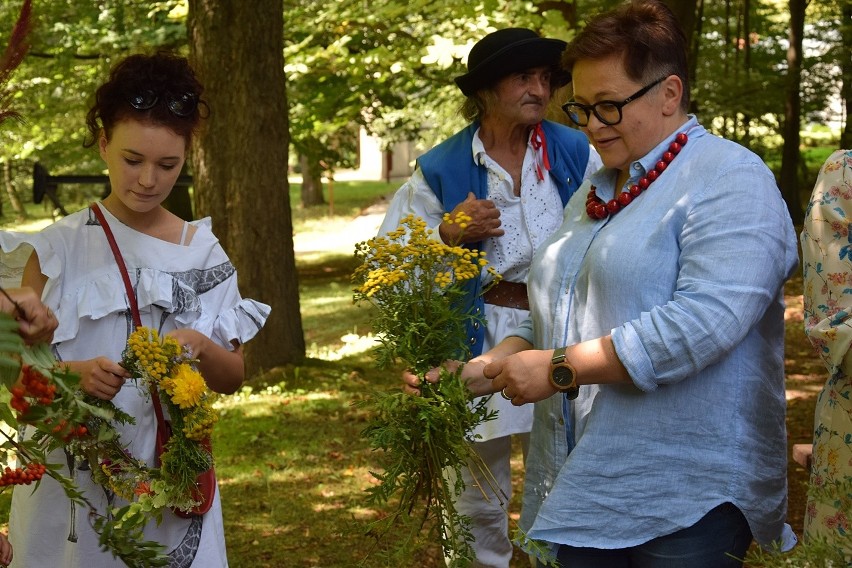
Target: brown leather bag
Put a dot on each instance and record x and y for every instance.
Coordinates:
(206, 481)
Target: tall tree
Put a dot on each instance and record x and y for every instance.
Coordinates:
(687, 13)
(846, 71)
(240, 161)
(789, 179)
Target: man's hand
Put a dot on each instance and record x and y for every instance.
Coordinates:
(484, 222)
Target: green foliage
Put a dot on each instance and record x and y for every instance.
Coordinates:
(73, 46)
(389, 66)
(422, 437)
(385, 65)
(126, 541)
(57, 419)
(418, 287)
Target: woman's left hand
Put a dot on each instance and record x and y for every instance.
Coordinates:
(223, 370)
(193, 342)
(523, 377)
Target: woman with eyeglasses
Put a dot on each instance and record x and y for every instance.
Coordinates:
(142, 123)
(654, 348)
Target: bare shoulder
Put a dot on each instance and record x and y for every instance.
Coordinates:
(177, 230)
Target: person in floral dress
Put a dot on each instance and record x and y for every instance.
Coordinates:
(827, 259)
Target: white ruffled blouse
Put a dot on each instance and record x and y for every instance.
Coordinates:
(177, 286)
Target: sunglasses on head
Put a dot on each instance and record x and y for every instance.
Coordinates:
(181, 105)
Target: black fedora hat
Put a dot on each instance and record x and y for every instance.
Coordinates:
(507, 51)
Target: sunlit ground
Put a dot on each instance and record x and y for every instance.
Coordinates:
(353, 344)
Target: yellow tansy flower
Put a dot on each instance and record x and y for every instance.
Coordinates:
(189, 386)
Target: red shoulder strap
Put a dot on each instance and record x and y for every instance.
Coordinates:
(131, 296)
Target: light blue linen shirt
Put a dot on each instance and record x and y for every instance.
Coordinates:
(688, 279)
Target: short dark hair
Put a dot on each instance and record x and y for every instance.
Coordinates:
(162, 74)
(645, 33)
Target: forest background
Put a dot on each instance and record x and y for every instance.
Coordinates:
(300, 76)
(290, 83)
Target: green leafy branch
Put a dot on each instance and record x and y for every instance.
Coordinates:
(418, 287)
(120, 531)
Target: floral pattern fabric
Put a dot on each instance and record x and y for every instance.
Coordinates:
(827, 266)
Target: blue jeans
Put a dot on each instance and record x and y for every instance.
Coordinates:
(719, 540)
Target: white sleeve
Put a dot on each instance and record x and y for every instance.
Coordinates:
(414, 197)
(594, 164)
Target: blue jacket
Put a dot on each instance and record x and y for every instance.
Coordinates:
(451, 173)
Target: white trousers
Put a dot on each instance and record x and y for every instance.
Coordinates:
(489, 517)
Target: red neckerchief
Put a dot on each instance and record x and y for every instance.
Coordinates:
(539, 144)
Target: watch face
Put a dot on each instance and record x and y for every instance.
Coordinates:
(563, 376)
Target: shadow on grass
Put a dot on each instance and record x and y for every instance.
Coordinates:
(294, 470)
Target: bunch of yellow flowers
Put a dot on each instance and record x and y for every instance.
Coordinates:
(417, 283)
(410, 260)
(164, 363)
(149, 354)
(423, 291)
(166, 366)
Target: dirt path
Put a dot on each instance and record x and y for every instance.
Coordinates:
(805, 377)
(343, 237)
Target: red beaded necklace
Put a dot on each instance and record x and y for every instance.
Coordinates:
(597, 209)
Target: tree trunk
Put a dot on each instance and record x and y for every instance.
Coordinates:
(311, 182)
(7, 182)
(686, 12)
(746, 39)
(789, 178)
(12, 193)
(240, 162)
(846, 70)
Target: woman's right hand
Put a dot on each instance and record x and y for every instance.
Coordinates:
(411, 382)
(36, 322)
(100, 377)
(472, 374)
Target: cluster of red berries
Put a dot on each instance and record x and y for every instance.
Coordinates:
(35, 387)
(33, 472)
(68, 430)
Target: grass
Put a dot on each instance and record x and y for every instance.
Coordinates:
(346, 199)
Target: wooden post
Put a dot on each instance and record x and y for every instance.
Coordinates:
(330, 195)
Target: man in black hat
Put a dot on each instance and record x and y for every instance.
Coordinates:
(511, 172)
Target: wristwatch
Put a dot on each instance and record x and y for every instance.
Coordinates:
(562, 375)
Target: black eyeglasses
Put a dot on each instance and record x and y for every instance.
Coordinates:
(608, 112)
(181, 105)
